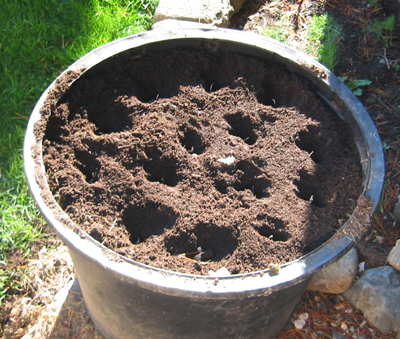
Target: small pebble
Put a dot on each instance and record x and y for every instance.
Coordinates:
(344, 326)
(303, 316)
(274, 269)
(299, 323)
(339, 307)
(338, 317)
(363, 324)
(361, 267)
(348, 318)
(338, 335)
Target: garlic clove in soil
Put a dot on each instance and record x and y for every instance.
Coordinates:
(228, 160)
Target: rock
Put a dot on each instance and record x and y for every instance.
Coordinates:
(394, 256)
(303, 316)
(172, 23)
(301, 320)
(299, 324)
(322, 306)
(377, 294)
(336, 277)
(215, 12)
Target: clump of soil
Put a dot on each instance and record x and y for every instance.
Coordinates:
(193, 160)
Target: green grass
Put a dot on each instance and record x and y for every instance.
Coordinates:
(38, 40)
(382, 30)
(321, 40)
(278, 31)
(323, 36)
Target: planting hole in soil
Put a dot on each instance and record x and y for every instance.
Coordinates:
(192, 160)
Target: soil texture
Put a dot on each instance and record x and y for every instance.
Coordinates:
(194, 160)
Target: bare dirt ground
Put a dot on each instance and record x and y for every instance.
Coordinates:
(51, 305)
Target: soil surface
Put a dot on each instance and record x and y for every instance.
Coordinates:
(194, 160)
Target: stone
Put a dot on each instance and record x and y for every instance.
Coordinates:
(173, 23)
(377, 294)
(338, 276)
(215, 12)
(394, 256)
(303, 316)
(299, 324)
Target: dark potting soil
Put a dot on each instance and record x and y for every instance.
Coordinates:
(194, 160)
